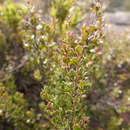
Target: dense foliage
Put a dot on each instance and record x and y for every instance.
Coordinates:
(48, 68)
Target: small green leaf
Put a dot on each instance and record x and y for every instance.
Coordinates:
(74, 60)
(37, 75)
(82, 84)
(76, 127)
(79, 49)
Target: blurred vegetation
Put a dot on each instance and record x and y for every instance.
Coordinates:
(109, 96)
(119, 5)
(53, 77)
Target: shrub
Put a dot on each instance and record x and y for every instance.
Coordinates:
(57, 52)
(60, 60)
(11, 32)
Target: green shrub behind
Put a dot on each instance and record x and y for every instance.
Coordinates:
(48, 56)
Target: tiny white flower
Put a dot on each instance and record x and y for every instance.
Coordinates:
(71, 9)
(128, 98)
(76, 41)
(1, 111)
(101, 41)
(42, 37)
(50, 45)
(39, 27)
(70, 83)
(109, 57)
(45, 61)
(26, 44)
(119, 65)
(28, 121)
(92, 50)
(119, 91)
(98, 4)
(115, 84)
(54, 66)
(32, 37)
(84, 96)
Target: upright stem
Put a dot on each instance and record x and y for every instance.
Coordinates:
(75, 93)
